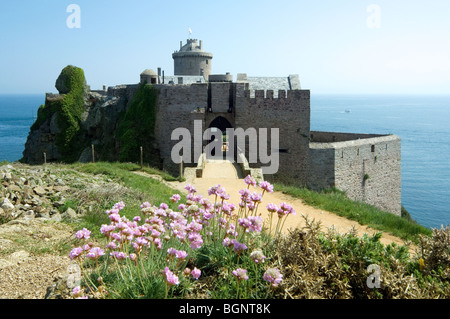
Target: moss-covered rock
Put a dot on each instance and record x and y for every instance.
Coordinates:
(68, 107)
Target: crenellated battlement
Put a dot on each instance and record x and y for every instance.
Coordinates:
(263, 95)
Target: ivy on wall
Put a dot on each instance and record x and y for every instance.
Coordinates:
(136, 127)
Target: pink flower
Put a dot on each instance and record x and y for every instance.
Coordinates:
(195, 239)
(245, 193)
(171, 279)
(250, 180)
(240, 273)
(238, 247)
(95, 253)
(214, 190)
(272, 207)
(175, 198)
(196, 273)
(266, 186)
(255, 197)
(146, 205)
(119, 255)
(171, 251)
(112, 245)
(75, 253)
(107, 229)
(194, 226)
(77, 292)
(115, 218)
(181, 254)
(257, 256)
(288, 209)
(190, 188)
(251, 223)
(227, 242)
(137, 218)
(273, 276)
(119, 205)
(228, 208)
(84, 233)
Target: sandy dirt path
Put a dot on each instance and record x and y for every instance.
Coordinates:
(230, 177)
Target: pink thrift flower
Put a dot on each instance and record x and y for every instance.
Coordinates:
(171, 251)
(238, 247)
(175, 198)
(119, 255)
(227, 242)
(214, 190)
(114, 218)
(137, 218)
(120, 205)
(272, 207)
(240, 273)
(287, 209)
(171, 279)
(190, 188)
(273, 276)
(255, 197)
(83, 233)
(75, 253)
(266, 186)
(112, 245)
(77, 292)
(95, 253)
(257, 256)
(195, 240)
(181, 254)
(250, 180)
(196, 273)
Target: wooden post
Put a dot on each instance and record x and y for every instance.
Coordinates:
(45, 158)
(142, 157)
(93, 153)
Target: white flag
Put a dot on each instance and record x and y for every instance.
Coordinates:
(190, 31)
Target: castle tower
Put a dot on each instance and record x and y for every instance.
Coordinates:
(192, 60)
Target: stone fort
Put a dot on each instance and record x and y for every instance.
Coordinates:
(367, 167)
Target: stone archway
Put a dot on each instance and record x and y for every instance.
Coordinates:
(222, 124)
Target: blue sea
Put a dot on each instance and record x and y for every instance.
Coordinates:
(422, 122)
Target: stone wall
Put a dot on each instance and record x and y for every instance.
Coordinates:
(290, 113)
(178, 106)
(192, 64)
(367, 169)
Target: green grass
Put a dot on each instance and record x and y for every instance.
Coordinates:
(143, 189)
(337, 202)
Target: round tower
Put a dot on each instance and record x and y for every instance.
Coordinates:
(192, 60)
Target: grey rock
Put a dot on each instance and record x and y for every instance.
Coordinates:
(39, 190)
(6, 205)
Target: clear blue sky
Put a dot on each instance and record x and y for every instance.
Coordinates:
(328, 43)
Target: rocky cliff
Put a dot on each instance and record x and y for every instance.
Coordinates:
(69, 123)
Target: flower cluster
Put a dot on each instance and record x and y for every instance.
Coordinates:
(173, 237)
(273, 276)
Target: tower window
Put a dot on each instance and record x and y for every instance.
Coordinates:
(207, 61)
